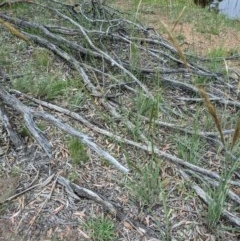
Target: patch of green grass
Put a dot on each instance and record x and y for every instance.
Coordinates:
(73, 175)
(145, 107)
(218, 52)
(77, 98)
(41, 126)
(54, 89)
(146, 186)
(134, 56)
(15, 171)
(144, 104)
(209, 22)
(208, 123)
(199, 80)
(54, 237)
(5, 56)
(43, 79)
(216, 204)
(218, 195)
(44, 86)
(24, 132)
(215, 62)
(77, 151)
(42, 57)
(147, 189)
(204, 20)
(190, 148)
(26, 9)
(101, 229)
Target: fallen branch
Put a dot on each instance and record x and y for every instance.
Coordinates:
(78, 192)
(200, 192)
(15, 139)
(149, 148)
(233, 196)
(28, 117)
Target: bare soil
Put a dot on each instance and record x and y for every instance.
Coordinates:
(198, 42)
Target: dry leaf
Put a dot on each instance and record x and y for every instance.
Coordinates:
(127, 225)
(81, 233)
(57, 210)
(80, 214)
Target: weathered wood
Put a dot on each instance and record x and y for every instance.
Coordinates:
(15, 139)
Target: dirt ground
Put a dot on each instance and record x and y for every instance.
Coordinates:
(201, 43)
